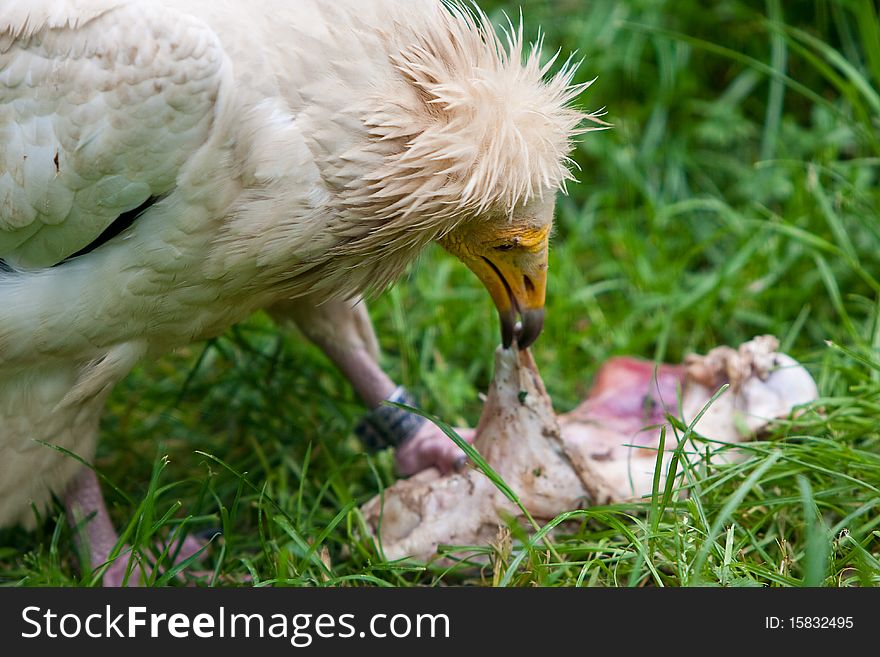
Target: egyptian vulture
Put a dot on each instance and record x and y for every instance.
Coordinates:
(168, 167)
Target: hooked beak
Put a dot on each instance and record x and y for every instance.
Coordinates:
(518, 286)
(513, 267)
(516, 278)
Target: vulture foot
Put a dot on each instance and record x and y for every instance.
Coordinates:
(431, 447)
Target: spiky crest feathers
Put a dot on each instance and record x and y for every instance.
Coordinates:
(484, 127)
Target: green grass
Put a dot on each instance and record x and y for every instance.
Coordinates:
(737, 194)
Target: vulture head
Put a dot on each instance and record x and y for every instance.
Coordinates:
(509, 255)
(474, 136)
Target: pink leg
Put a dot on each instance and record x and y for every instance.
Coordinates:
(87, 512)
(85, 499)
(343, 331)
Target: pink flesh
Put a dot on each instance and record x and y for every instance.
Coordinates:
(629, 394)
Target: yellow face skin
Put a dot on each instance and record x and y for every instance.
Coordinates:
(509, 255)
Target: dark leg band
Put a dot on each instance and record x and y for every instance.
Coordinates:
(389, 426)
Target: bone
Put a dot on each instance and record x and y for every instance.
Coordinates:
(604, 451)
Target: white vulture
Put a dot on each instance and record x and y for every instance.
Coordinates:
(168, 167)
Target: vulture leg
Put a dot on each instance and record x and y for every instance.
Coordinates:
(86, 508)
(88, 515)
(344, 332)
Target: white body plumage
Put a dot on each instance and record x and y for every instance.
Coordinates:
(298, 148)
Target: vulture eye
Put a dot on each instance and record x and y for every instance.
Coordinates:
(507, 246)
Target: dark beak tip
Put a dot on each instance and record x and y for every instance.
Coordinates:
(524, 333)
(508, 328)
(532, 324)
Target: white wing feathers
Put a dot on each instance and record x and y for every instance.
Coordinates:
(101, 104)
